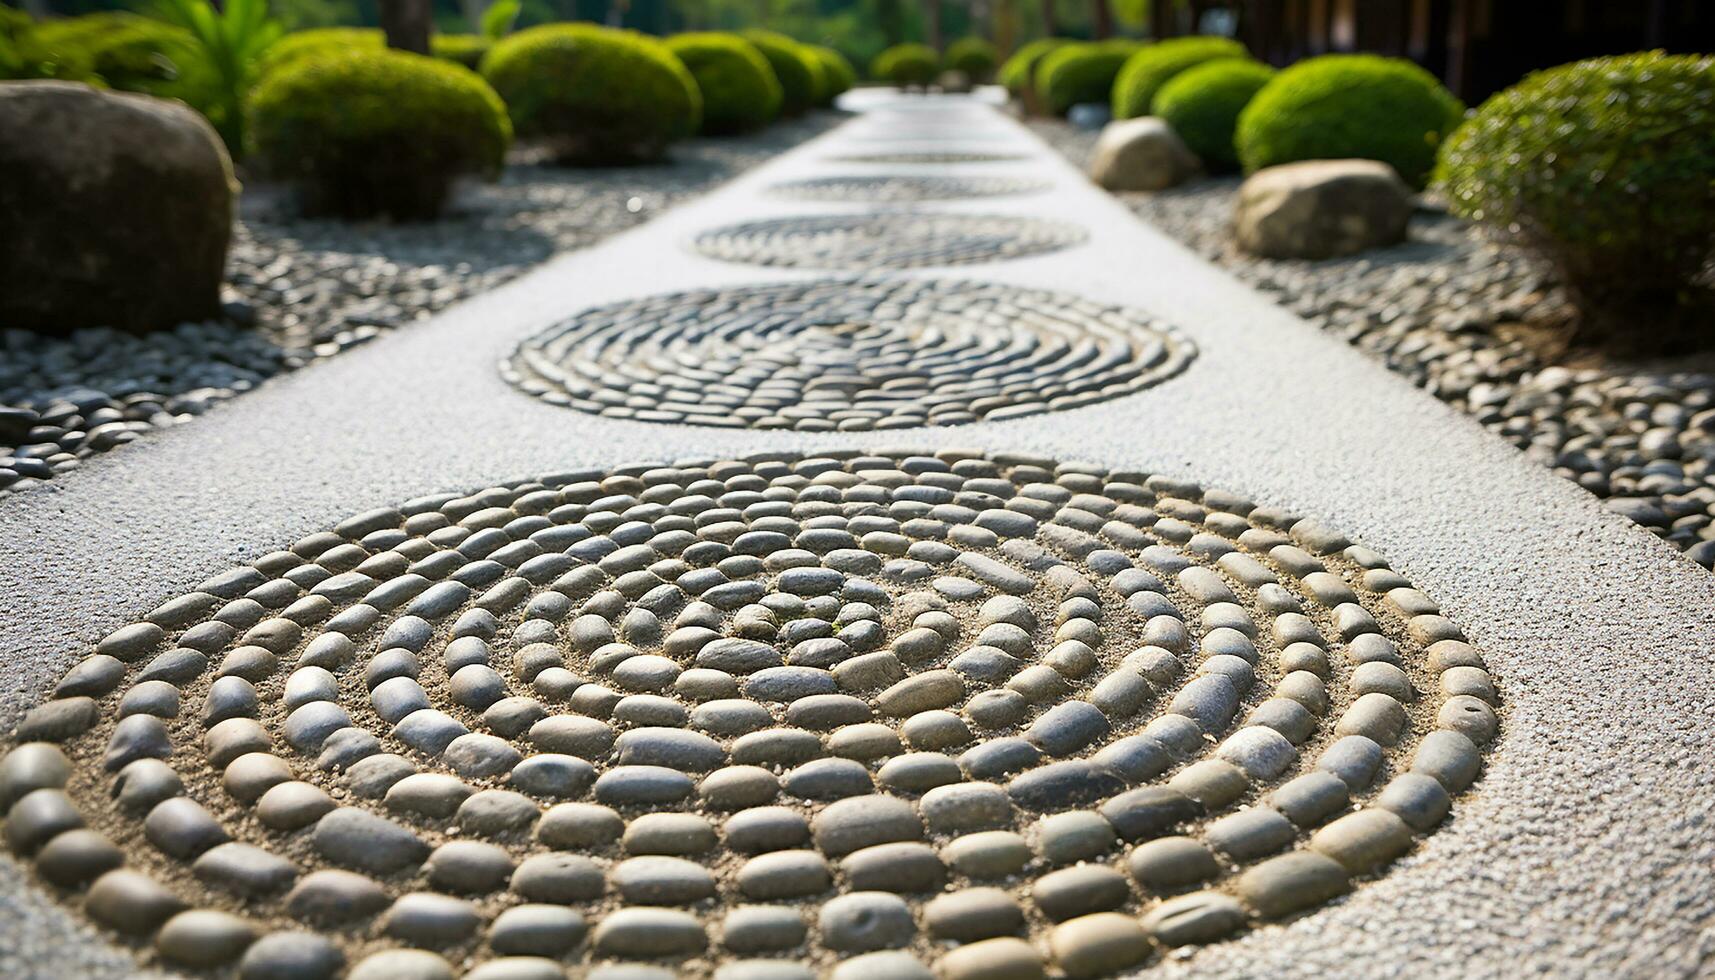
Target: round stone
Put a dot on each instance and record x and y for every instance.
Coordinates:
(204, 938)
(291, 956)
(861, 921)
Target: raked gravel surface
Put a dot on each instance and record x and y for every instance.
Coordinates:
(1587, 846)
(302, 290)
(1444, 309)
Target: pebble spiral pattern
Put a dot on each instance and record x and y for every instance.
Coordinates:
(904, 189)
(886, 240)
(860, 713)
(847, 355)
(928, 157)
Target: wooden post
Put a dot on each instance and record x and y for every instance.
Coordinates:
(1049, 28)
(407, 24)
(933, 25)
(1101, 20)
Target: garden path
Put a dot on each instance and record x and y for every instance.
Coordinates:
(1037, 322)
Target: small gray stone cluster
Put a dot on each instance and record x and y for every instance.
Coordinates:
(860, 713)
(302, 290)
(846, 355)
(1443, 309)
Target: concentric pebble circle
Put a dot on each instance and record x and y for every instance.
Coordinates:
(847, 355)
(886, 240)
(856, 715)
(928, 157)
(903, 188)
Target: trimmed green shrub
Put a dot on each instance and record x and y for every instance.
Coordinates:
(973, 56)
(594, 95)
(1349, 105)
(1606, 167)
(840, 74)
(1146, 71)
(377, 132)
(1202, 104)
(739, 90)
(1078, 73)
(319, 41)
(1019, 71)
(907, 65)
(466, 49)
(798, 70)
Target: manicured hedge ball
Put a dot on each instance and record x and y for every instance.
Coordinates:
(594, 95)
(377, 133)
(1202, 104)
(1155, 65)
(739, 89)
(1349, 105)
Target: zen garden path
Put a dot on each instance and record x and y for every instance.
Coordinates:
(910, 443)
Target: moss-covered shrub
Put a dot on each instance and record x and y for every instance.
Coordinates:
(798, 70)
(739, 90)
(1607, 167)
(1202, 104)
(1018, 73)
(973, 56)
(594, 95)
(466, 49)
(377, 132)
(907, 65)
(1137, 83)
(319, 41)
(840, 74)
(1078, 73)
(1349, 105)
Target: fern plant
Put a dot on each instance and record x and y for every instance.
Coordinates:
(230, 40)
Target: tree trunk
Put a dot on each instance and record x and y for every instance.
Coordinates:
(1049, 28)
(407, 24)
(616, 10)
(473, 11)
(933, 27)
(1101, 20)
(1005, 26)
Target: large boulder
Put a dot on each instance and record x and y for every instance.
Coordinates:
(117, 209)
(1142, 154)
(1320, 209)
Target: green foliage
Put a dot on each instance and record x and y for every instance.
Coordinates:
(594, 95)
(1019, 71)
(1076, 73)
(840, 74)
(23, 55)
(1349, 105)
(906, 65)
(127, 51)
(739, 90)
(1154, 66)
(1202, 104)
(229, 44)
(1606, 166)
(368, 133)
(465, 49)
(499, 18)
(321, 41)
(799, 72)
(973, 56)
